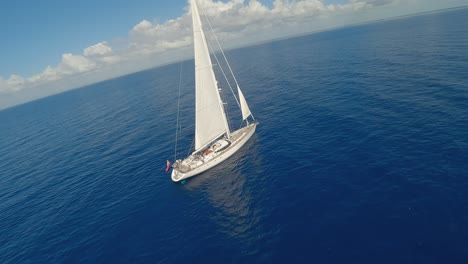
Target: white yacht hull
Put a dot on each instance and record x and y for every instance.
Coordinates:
(201, 162)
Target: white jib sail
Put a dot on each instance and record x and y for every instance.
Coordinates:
(210, 120)
(243, 103)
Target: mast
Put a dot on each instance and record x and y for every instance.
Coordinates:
(210, 118)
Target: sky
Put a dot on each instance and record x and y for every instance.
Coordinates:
(51, 46)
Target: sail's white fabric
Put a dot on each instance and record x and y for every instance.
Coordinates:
(243, 104)
(210, 120)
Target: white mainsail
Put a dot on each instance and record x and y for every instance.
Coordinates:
(243, 104)
(210, 120)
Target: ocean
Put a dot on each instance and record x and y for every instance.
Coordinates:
(361, 156)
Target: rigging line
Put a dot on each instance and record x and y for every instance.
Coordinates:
(191, 146)
(225, 59)
(218, 86)
(224, 74)
(221, 49)
(217, 60)
(178, 128)
(225, 77)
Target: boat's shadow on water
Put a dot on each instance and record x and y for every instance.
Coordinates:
(228, 191)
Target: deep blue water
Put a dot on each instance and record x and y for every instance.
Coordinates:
(361, 156)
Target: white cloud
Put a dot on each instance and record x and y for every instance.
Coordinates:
(143, 26)
(102, 48)
(236, 22)
(75, 64)
(159, 37)
(12, 84)
(70, 64)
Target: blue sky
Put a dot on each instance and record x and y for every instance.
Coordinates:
(51, 46)
(36, 33)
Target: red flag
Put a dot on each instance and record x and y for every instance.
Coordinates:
(168, 165)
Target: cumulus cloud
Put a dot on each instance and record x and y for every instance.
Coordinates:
(70, 64)
(12, 84)
(236, 22)
(75, 64)
(102, 48)
(153, 38)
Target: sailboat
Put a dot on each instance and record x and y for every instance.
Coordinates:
(214, 140)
